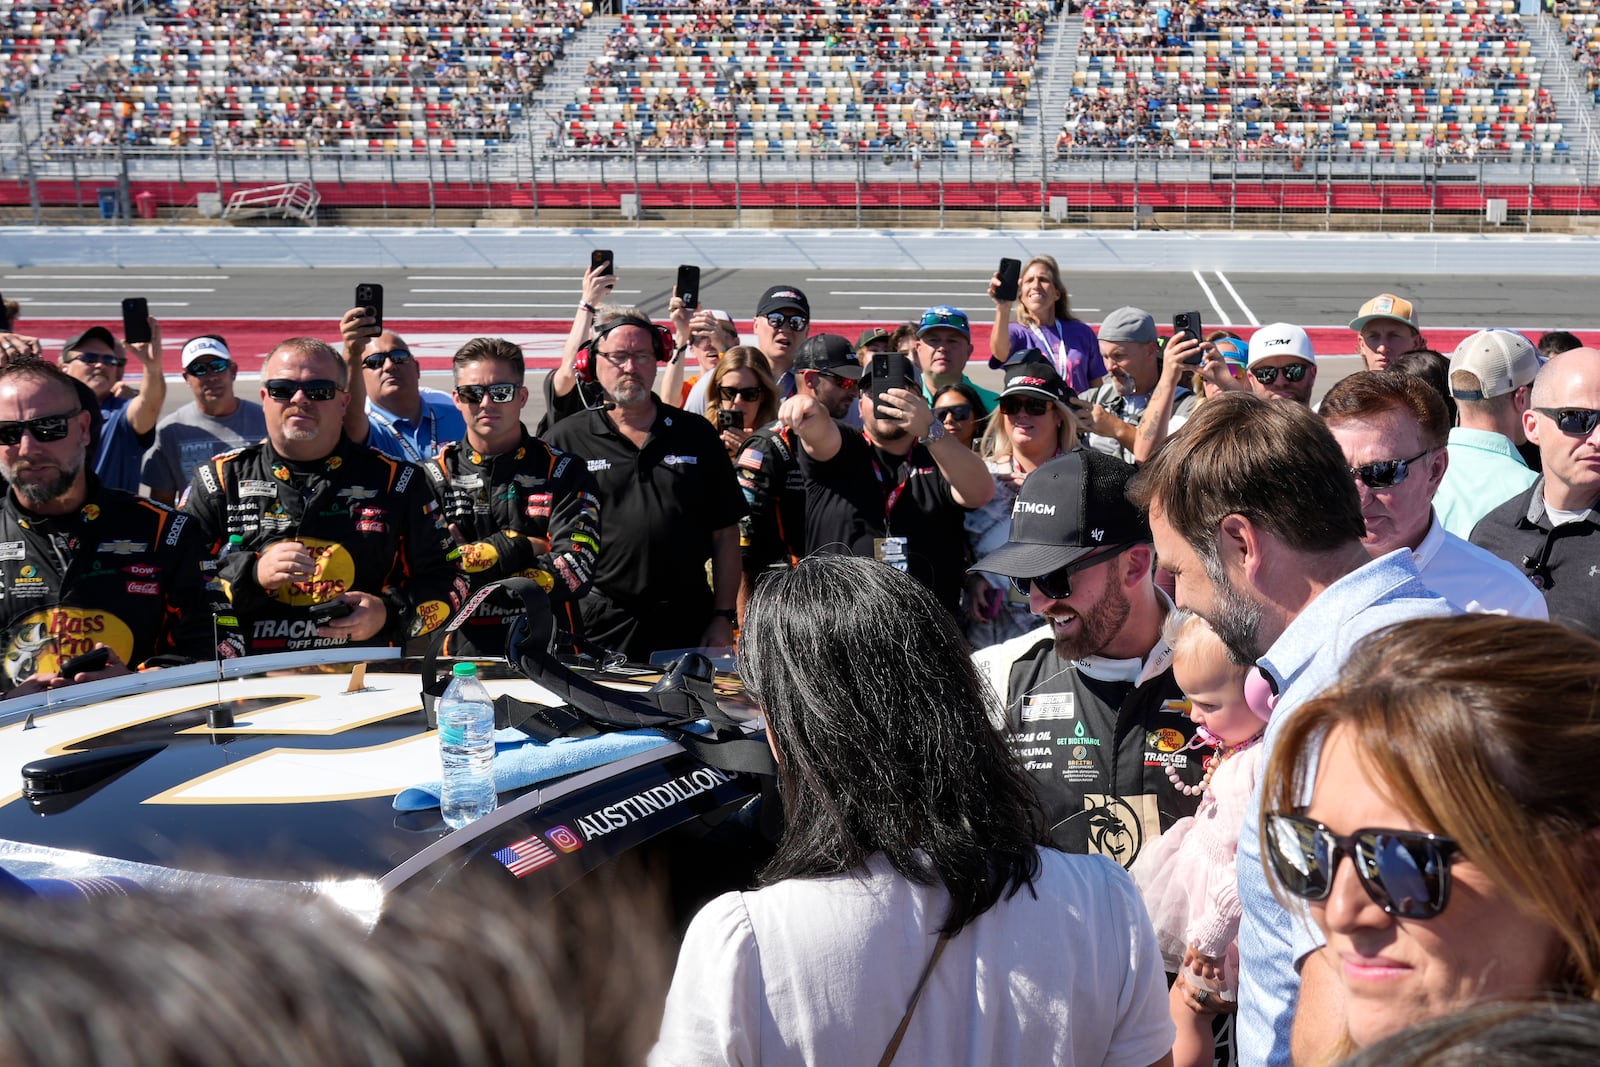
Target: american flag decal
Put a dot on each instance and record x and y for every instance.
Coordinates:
(526, 856)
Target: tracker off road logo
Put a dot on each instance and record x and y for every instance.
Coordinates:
(334, 575)
(43, 639)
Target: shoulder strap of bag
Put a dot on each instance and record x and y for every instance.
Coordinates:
(916, 995)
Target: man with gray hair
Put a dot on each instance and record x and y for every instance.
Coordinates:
(1131, 348)
(1491, 377)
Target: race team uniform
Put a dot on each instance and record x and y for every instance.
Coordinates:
(899, 510)
(768, 468)
(370, 520)
(1097, 737)
(122, 571)
(662, 503)
(531, 512)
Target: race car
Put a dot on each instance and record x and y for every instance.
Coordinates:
(317, 772)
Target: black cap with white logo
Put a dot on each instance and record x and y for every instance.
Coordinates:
(1074, 505)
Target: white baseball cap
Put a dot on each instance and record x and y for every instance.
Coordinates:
(1492, 363)
(1280, 339)
(205, 348)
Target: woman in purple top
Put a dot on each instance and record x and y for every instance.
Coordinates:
(1044, 321)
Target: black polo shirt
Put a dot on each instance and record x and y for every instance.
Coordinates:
(868, 502)
(662, 503)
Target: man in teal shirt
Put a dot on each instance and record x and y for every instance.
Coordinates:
(944, 345)
(1491, 374)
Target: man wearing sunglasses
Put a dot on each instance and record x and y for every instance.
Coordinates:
(1092, 710)
(1392, 429)
(215, 421)
(96, 359)
(83, 567)
(389, 409)
(1256, 515)
(1551, 531)
(1282, 364)
(514, 506)
(342, 545)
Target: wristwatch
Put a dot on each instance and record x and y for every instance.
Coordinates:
(936, 431)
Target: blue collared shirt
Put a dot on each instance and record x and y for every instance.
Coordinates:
(1304, 660)
(420, 441)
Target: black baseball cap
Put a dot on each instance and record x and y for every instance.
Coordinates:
(829, 352)
(780, 297)
(1072, 506)
(1036, 379)
(98, 333)
(871, 334)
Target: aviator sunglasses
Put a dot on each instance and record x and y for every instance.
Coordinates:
(1292, 373)
(1385, 473)
(1574, 422)
(397, 356)
(45, 428)
(1405, 872)
(284, 389)
(498, 392)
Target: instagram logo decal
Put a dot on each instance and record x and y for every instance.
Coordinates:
(564, 839)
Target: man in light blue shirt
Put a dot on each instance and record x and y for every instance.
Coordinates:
(1491, 373)
(400, 418)
(1276, 565)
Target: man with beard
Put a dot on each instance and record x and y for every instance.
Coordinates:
(214, 422)
(671, 503)
(768, 467)
(1092, 710)
(1282, 364)
(899, 492)
(389, 409)
(1131, 349)
(83, 567)
(340, 544)
(1256, 516)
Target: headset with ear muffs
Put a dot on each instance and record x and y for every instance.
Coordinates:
(660, 344)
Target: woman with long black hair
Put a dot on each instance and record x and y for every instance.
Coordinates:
(914, 908)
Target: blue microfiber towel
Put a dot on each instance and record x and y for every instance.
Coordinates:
(521, 761)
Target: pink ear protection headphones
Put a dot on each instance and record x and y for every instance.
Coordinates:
(1260, 693)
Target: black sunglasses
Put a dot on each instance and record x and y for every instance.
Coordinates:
(1057, 585)
(958, 412)
(1405, 872)
(1016, 405)
(1292, 373)
(284, 389)
(96, 357)
(499, 392)
(45, 428)
(397, 356)
(1385, 473)
(778, 320)
(202, 367)
(749, 393)
(1575, 422)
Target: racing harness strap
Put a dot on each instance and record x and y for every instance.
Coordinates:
(682, 697)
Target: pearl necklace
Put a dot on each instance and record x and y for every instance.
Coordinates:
(1212, 762)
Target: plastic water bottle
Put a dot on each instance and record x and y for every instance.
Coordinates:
(235, 544)
(466, 749)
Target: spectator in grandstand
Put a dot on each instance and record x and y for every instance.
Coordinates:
(1491, 375)
(1282, 364)
(892, 888)
(1132, 351)
(96, 359)
(1385, 326)
(962, 412)
(1045, 321)
(742, 396)
(897, 492)
(215, 421)
(1096, 674)
(1548, 530)
(328, 526)
(1455, 894)
(670, 501)
(1556, 342)
(943, 348)
(389, 408)
(1434, 370)
(1032, 426)
(1255, 514)
(71, 546)
(514, 506)
(1392, 429)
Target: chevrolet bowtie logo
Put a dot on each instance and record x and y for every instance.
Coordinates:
(358, 492)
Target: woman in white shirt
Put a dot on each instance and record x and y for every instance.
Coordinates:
(913, 889)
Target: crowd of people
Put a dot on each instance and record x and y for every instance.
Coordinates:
(1201, 633)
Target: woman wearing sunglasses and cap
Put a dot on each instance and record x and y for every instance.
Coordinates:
(1031, 425)
(1448, 849)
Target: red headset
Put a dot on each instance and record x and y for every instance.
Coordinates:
(660, 343)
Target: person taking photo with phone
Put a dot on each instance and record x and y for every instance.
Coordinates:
(1044, 321)
(96, 359)
(389, 408)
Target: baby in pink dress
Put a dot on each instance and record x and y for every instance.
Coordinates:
(1187, 874)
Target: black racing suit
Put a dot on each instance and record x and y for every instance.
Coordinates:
(531, 512)
(120, 571)
(773, 533)
(371, 521)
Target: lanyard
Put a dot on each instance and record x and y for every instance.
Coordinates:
(894, 494)
(1058, 356)
(428, 419)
